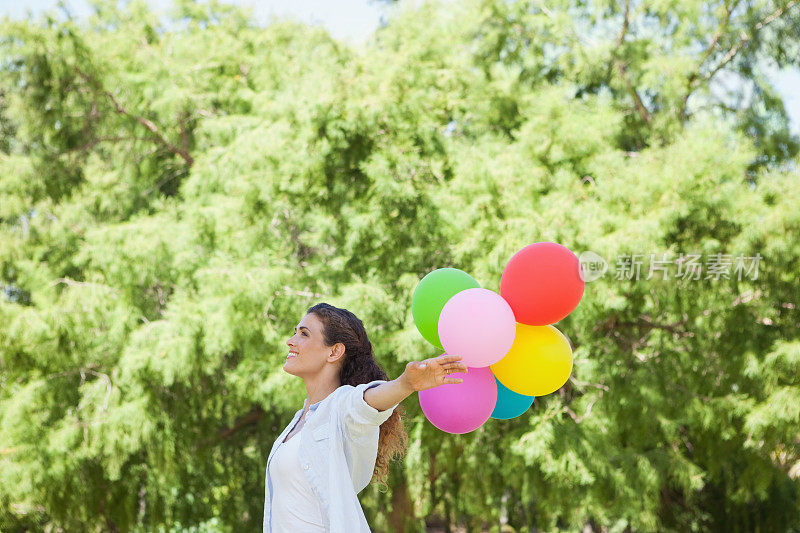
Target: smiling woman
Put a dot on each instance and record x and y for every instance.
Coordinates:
(349, 428)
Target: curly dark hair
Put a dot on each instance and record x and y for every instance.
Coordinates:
(360, 366)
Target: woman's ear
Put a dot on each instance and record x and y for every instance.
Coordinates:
(337, 352)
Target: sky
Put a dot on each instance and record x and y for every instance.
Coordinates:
(353, 21)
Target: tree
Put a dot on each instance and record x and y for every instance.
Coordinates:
(176, 192)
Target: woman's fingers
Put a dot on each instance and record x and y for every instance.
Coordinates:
(451, 362)
(453, 380)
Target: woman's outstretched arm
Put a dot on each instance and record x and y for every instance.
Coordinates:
(419, 375)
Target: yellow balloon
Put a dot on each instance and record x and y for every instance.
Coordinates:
(539, 362)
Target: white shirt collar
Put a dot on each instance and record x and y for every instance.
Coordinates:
(313, 406)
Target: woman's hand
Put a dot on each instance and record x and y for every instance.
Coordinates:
(421, 375)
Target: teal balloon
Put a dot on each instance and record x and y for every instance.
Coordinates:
(510, 404)
(432, 292)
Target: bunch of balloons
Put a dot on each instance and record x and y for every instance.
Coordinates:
(511, 349)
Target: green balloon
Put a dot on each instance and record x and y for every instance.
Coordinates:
(431, 294)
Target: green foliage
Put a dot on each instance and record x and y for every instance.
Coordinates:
(174, 194)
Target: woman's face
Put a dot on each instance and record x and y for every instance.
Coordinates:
(307, 351)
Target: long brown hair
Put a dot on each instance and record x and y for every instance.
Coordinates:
(360, 366)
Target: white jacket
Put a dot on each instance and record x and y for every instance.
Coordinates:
(338, 448)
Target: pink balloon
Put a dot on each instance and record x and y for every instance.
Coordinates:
(479, 325)
(461, 407)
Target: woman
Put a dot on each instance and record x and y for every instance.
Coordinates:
(348, 429)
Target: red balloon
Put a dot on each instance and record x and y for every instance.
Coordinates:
(542, 283)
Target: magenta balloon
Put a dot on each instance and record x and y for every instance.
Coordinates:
(461, 407)
(479, 325)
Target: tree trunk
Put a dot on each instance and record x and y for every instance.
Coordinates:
(402, 515)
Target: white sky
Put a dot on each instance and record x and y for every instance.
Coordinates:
(352, 21)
